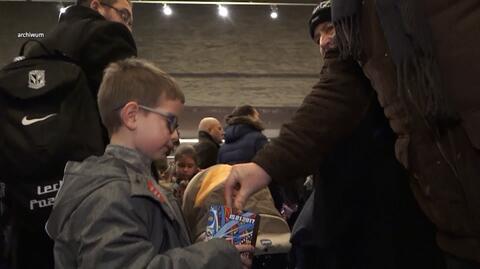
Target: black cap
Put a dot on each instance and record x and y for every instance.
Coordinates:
(321, 13)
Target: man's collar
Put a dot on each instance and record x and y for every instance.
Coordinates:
(206, 135)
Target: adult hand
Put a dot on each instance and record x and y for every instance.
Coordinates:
(244, 180)
(246, 254)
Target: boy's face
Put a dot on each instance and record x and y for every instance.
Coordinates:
(185, 168)
(152, 135)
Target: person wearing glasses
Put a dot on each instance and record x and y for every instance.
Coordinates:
(93, 33)
(111, 212)
(122, 13)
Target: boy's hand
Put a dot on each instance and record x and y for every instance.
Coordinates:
(246, 254)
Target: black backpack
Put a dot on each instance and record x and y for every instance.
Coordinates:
(49, 116)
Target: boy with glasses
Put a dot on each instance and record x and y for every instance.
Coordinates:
(110, 212)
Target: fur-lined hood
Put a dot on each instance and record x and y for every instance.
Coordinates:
(238, 127)
(245, 120)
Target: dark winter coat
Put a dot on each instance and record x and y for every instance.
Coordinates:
(444, 167)
(243, 138)
(206, 149)
(364, 213)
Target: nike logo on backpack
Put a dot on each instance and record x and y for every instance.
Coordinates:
(26, 122)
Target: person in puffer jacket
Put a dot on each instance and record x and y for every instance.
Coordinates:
(243, 136)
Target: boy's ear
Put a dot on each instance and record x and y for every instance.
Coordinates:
(128, 115)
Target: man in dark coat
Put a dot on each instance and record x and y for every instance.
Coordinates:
(210, 136)
(429, 92)
(93, 33)
(363, 215)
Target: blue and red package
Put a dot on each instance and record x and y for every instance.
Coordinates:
(237, 227)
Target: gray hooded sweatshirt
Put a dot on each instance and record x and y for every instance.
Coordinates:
(110, 213)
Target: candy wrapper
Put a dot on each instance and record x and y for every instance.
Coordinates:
(239, 228)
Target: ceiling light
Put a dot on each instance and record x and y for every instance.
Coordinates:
(222, 11)
(273, 12)
(167, 10)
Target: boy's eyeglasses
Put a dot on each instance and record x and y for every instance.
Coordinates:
(123, 13)
(172, 120)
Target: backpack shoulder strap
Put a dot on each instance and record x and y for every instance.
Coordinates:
(45, 49)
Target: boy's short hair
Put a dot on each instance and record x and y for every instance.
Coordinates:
(186, 150)
(133, 80)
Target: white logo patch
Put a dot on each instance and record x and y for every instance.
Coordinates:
(26, 122)
(36, 79)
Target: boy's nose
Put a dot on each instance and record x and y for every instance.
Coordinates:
(174, 135)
